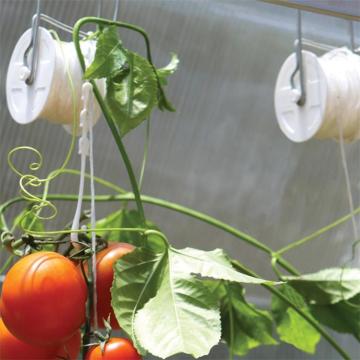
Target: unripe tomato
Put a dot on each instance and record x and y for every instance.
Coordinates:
(115, 349)
(12, 348)
(71, 349)
(43, 299)
(105, 261)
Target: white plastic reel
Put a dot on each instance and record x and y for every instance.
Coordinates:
(28, 103)
(300, 123)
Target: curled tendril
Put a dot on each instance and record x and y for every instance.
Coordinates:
(33, 166)
(28, 182)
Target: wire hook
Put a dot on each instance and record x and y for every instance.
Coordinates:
(34, 46)
(299, 64)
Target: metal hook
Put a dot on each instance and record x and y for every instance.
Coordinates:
(299, 64)
(34, 46)
(116, 10)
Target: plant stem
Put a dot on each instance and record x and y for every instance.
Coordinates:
(175, 207)
(108, 116)
(318, 232)
(89, 304)
(308, 318)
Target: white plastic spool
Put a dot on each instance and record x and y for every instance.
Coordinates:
(332, 84)
(49, 96)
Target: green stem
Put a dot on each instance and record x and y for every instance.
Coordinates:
(231, 318)
(175, 207)
(108, 116)
(145, 155)
(317, 233)
(308, 318)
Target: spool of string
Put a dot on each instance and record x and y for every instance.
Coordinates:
(332, 84)
(48, 97)
(342, 70)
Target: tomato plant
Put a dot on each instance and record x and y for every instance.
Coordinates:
(105, 261)
(167, 300)
(41, 291)
(114, 349)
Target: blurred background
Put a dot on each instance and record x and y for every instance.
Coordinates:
(222, 151)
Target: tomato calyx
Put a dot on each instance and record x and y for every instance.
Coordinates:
(104, 338)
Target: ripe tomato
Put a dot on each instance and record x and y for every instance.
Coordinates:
(71, 349)
(43, 299)
(115, 349)
(12, 348)
(105, 260)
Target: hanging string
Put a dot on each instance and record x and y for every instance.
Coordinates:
(93, 214)
(86, 150)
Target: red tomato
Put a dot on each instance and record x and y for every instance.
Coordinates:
(71, 349)
(115, 349)
(43, 299)
(105, 260)
(12, 348)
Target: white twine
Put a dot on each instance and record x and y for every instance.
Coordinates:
(86, 150)
(58, 107)
(342, 71)
(342, 115)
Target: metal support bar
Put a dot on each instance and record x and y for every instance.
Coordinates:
(320, 8)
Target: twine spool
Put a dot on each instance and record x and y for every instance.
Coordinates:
(50, 96)
(332, 104)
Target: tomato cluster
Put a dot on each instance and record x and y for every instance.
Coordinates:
(43, 305)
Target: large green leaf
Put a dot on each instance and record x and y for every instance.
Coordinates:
(183, 317)
(244, 327)
(214, 264)
(110, 57)
(136, 280)
(132, 95)
(169, 69)
(149, 284)
(292, 327)
(123, 219)
(343, 316)
(327, 286)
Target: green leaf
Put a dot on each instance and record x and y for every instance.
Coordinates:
(169, 69)
(244, 327)
(136, 280)
(214, 264)
(343, 316)
(327, 286)
(183, 317)
(292, 327)
(149, 284)
(131, 96)
(110, 57)
(123, 219)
